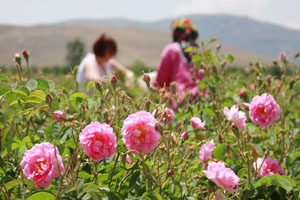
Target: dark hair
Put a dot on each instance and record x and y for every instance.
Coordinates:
(181, 34)
(105, 44)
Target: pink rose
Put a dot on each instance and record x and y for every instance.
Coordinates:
(268, 167)
(222, 176)
(98, 141)
(185, 135)
(197, 123)
(235, 116)
(139, 132)
(39, 164)
(168, 115)
(59, 115)
(206, 151)
(264, 110)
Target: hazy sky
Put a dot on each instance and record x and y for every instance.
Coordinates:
(29, 12)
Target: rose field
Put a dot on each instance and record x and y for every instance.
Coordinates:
(239, 139)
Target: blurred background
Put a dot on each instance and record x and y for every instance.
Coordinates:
(58, 33)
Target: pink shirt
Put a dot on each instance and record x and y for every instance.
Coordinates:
(173, 68)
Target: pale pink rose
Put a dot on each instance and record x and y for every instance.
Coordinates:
(39, 164)
(197, 123)
(247, 70)
(98, 141)
(185, 135)
(268, 167)
(235, 116)
(59, 115)
(222, 176)
(128, 159)
(139, 132)
(219, 196)
(168, 115)
(264, 110)
(246, 105)
(206, 151)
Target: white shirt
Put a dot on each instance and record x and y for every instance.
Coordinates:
(90, 57)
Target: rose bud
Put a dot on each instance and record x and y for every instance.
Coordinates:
(25, 55)
(114, 80)
(18, 58)
(268, 78)
(185, 135)
(59, 115)
(283, 57)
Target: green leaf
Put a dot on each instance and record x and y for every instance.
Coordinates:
(266, 180)
(219, 152)
(41, 195)
(152, 196)
(285, 183)
(51, 84)
(242, 172)
(78, 95)
(21, 152)
(251, 129)
(91, 188)
(11, 184)
(134, 177)
(230, 58)
(209, 112)
(43, 84)
(31, 84)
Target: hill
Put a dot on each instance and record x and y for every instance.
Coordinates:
(237, 31)
(47, 43)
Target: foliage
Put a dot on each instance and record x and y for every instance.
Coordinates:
(75, 52)
(172, 170)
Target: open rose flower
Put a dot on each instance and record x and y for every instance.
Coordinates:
(168, 115)
(268, 167)
(139, 132)
(264, 110)
(98, 141)
(206, 151)
(222, 176)
(235, 116)
(39, 164)
(197, 123)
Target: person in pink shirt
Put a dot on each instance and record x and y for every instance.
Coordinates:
(175, 64)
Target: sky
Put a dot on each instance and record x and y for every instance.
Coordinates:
(31, 12)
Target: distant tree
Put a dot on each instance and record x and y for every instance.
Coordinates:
(75, 52)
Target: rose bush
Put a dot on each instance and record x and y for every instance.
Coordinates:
(131, 154)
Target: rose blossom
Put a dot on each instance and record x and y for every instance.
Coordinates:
(98, 141)
(169, 115)
(197, 123)
(222, 176)
(139, 132)
(235, 116)
(268, 167)
(264, 110)
(206, 151)
(39, 164)
(58, 115)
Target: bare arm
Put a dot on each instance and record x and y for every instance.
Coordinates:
(119, 67)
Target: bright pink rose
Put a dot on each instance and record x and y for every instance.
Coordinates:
(59, 115)
(264, 110)
(206, 151)
(222, 176)
(168, 115)
(39, 164)
(98, 141)
(139, 132)
(269, 167)
(235, 116)
(197, 123)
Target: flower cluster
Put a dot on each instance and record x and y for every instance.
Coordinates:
(267, 166)
(235, 116)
